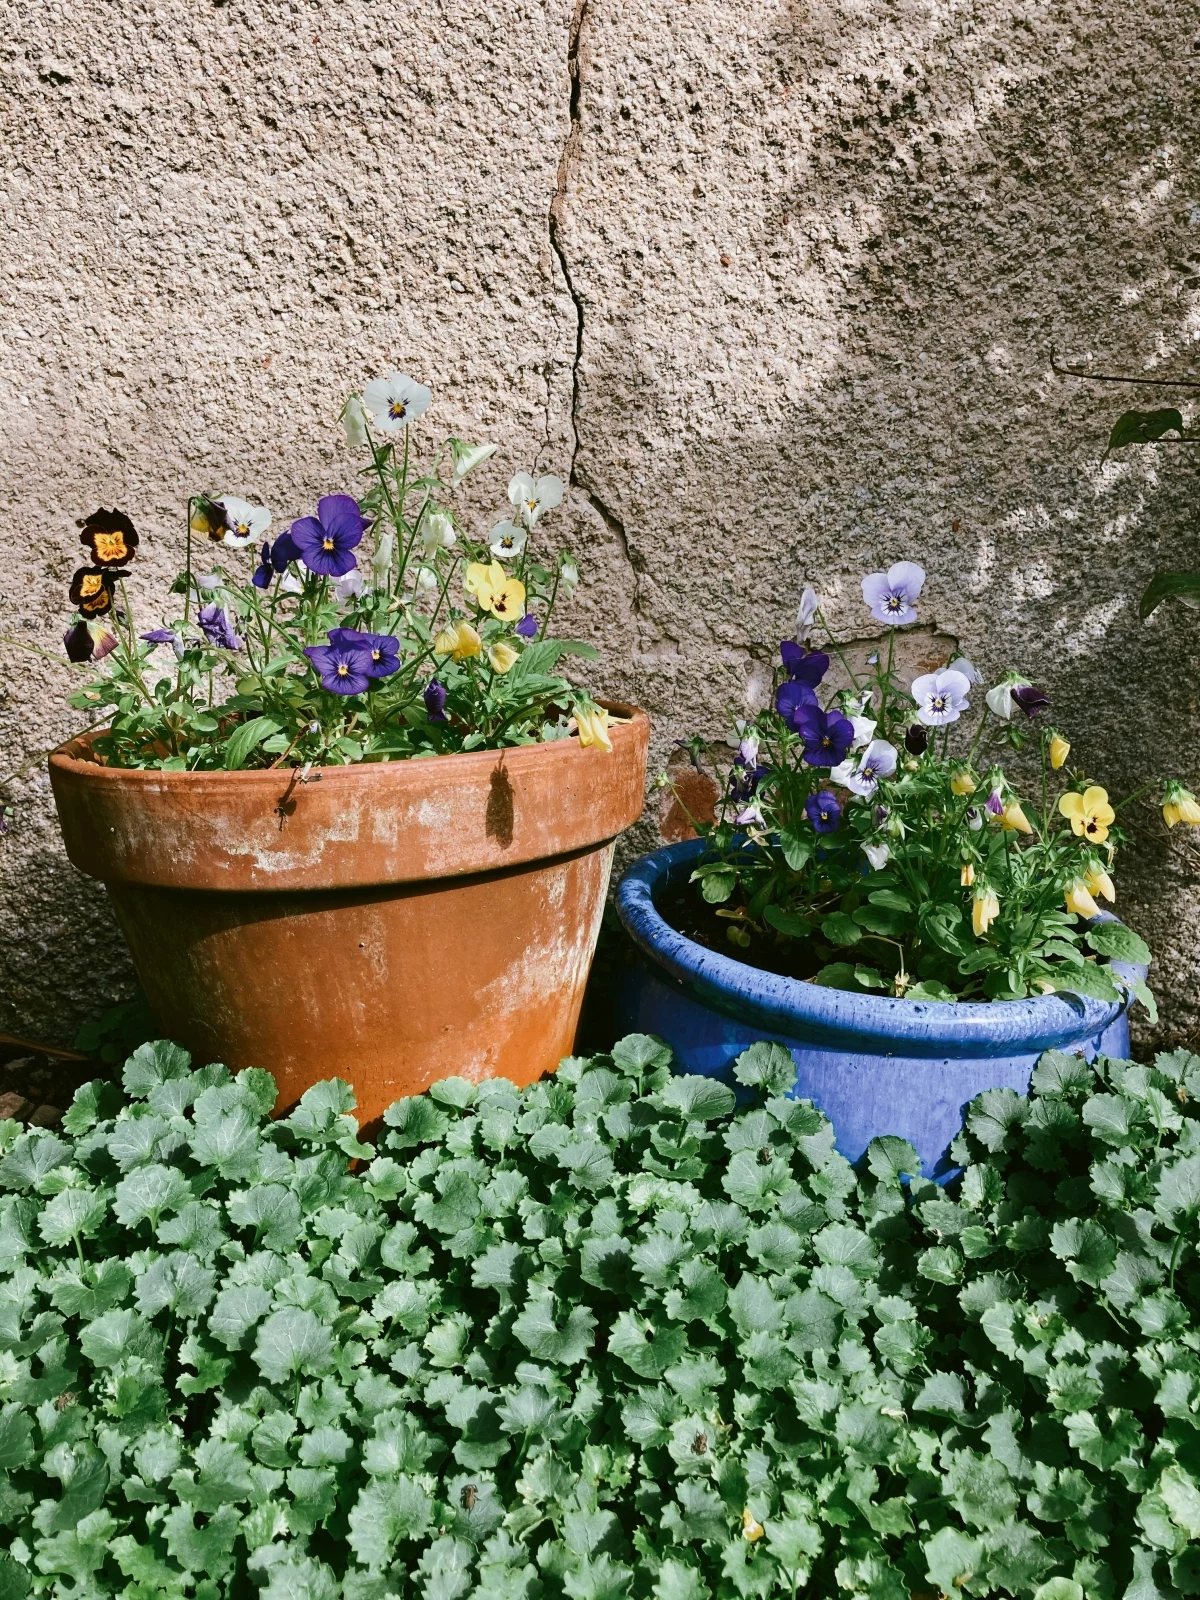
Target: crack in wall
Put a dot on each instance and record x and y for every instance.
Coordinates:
(568, 159)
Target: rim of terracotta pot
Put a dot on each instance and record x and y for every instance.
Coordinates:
(791, 1007)
(352, 826)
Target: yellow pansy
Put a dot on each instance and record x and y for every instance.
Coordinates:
(1060, 749)
(501, 656)
(1014, 820)
(1097, 881)
(1089, 813)
(458, 640)
(1079, 900)
(593, 728)
(985, 908)
(1180, 805)
(962, 782)
(967, 875)
(752, 1529)
(497, 593)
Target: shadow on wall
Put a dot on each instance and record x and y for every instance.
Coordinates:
(945, 194)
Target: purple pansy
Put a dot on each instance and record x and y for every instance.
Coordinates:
(862, 777)
(994, 804)
(1030, 700)
(744, 778)
(342, 668)
(159, 636)
(892, 595)
(941, 696)
(528, 626)
(803, 666)
(791, 698)
(827, 735)
(382, 649)
(274, 558)
(326, 542)
(823, 811)
(435, 701)
(217, 628)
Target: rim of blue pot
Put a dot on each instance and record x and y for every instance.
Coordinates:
(836, 1017)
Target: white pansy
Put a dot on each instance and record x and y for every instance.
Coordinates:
(941, 696)
(355, 422)
(466, 457)
(843, 772)
(532, 498)
(748, 749)
(877, 855)
(864, 731)
(809, 604)
(877, 761)
(395, 401)
(350, 587)
(437, 532)
(381, 561)
(290, 584)
(426, 579)
(507, 539)
(246, 522)
(568, 579)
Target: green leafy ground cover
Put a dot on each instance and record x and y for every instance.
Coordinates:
(604, 1337)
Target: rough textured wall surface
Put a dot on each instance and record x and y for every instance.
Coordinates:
(775, 284)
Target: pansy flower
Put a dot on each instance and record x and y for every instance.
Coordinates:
(435, 701)
(459, 641)
(533, 497)
(1089, 813)
(827, 735)
(395, 401)
(382, 649)
(941, 696)
(862, 777)
(823, 811)
(342, 668)
(326, 542)
(110, 536)
(89, 641)
(502, 656)
(217, 628)
(791, 698)
(507, 539)
(274, 559)
(92, 590)
(466, 457)
(244, 521)
(503, 596)
(528, 626)
(801, 665)
(1030, 700)
(806, 614)
(892, 595)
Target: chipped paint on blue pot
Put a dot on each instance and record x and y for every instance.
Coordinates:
(872, 1065)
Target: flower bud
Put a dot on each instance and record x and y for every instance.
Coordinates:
(985, 908)
(967, 876)
(962, 782)
(1179, 805)
(916, 739)
(502, 656)
(1014, 820)
(1097, 881)
(1060, 749)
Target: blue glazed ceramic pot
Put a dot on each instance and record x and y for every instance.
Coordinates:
(872, 1065)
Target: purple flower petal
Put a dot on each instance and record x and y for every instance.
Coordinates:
(341, 516)
(528, 626)
(803, 666)
(341, 669)
(435, 701)
(791, 698)
(823, 811)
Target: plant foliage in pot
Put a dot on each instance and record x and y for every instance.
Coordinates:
(875, 893)
(297, 887)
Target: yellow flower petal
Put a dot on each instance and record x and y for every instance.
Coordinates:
(967, 876)
(1097, 881)
(507, 600)
(985, 908)
(502, 656)
(1014, 819)
(475, 578)
(962, 783)
(1071, 806)
(1079, 900)
(751, 1529)
(593, 729)
(1060, 749)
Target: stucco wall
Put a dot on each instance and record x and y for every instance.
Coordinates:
(774, 284)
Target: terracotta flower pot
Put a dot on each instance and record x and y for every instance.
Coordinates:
(389, 923)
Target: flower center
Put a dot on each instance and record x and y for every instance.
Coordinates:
(894, 602)
(343, 671)
(110, 546)
(938, 702)
(376, 655)
(326, 543)
(397, 409)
